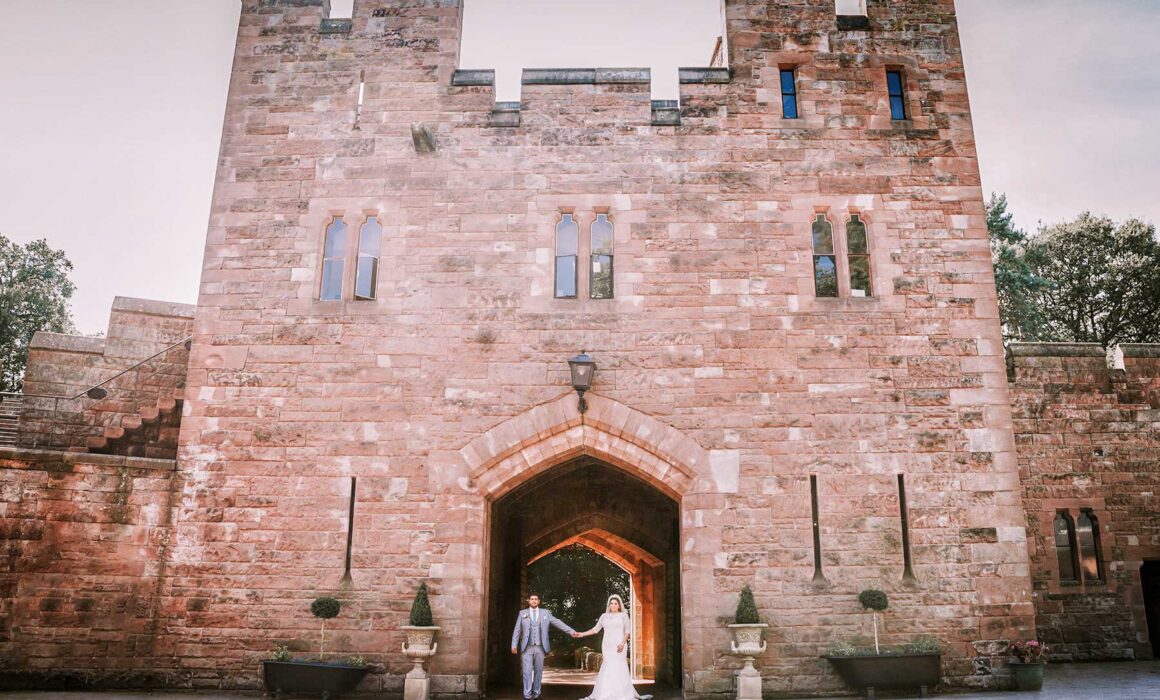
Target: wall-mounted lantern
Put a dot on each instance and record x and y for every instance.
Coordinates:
(583, 368)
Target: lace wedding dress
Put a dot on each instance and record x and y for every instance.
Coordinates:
(614, 682)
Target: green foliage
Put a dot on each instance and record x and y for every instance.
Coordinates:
(1015, 280)
(574, 583)
(873, 599)
(357, 660)
(841, 647)
(925, 645)
(281, 653)
(421, 609)
(746, 609)
(34, 295)
(1088, 281)
(325, 608)
(1104, 281)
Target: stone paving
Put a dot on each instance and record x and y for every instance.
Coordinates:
(1135, 680)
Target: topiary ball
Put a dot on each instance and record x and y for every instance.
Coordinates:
(325, 608)
(873, 599)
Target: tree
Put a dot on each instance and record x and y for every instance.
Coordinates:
(1015, 280)
(574, 583)
(34, 295)
(1103, 281)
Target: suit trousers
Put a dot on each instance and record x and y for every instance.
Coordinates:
(532, 670)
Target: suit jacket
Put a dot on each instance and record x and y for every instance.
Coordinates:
(522, 634)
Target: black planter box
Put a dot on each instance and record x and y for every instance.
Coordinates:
(889, 671)
(311, 678)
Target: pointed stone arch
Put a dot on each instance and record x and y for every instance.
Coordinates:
(542, 437)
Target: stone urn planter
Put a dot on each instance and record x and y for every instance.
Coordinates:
(747, 643)
(419, 647)
(1028, 676)
(872, 672)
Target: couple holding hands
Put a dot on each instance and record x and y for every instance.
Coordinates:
(530, 641)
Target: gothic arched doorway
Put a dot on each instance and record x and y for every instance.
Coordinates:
(622, 518)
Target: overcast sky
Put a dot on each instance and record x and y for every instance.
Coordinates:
(110, 112)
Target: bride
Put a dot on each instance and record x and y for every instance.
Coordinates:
(614, 682)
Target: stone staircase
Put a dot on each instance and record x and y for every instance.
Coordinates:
(151, 433)
(10, 410)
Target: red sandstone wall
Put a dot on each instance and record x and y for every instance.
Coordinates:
(65, 366)
(1089, 437)
(82, 540)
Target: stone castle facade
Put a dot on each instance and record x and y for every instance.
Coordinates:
(801, 381)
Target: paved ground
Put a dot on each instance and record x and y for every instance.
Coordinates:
(1137, 680)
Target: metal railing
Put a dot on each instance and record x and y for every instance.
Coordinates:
(124, 400)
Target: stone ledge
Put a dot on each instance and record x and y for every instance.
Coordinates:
(689, 76)
(586, 76)
(335, 26)
(38, 457)
(44, 340)
(473, 76)
(666, 113)
(1057, 350)
(1146, 350)
(154, 307)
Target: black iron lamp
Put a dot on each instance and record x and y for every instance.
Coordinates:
(583, 368)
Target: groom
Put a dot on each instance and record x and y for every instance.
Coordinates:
(530, 641)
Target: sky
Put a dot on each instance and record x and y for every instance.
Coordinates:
(111, 112)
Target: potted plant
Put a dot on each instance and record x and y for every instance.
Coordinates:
(420, 645)
(283, 674)
(1032, 661)
(747, 628)
(919, 665)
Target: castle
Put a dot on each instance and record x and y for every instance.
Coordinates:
(801, 386)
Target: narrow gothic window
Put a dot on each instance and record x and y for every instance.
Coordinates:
(825, 262)
(333, 260)
(1087, 531)
(567, 256)
(601, 280)
(370, 238)
(789, 103)
(894, 86)
(858, 257)
(1065, 548)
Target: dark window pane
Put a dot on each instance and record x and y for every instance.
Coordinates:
(1087, 532)
(788, 86)
(565, 276)
(825, 276)
(823, 236)
(367, 277)
(789, 107)
(897, 108)
(601, 277)
(602, 235)
(859, 275)
(856, 235)
(1064, 551)
(894, 82)
(331, 280)
(335, 239)
(567, 236)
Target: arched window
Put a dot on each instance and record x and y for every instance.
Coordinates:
(333, 260)
(825, 262)
(1065, 553)
(601, 286)
(858, 257)
(567, 256)
(1087, 530)
(370, 241)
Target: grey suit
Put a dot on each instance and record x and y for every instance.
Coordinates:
(531, 640)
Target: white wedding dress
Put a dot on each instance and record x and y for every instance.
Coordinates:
(614, 682)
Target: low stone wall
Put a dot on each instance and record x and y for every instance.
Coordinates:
(1087, 426)
(83, 538)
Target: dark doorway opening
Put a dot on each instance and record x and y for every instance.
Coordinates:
(1150, 585)
(587, 506)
